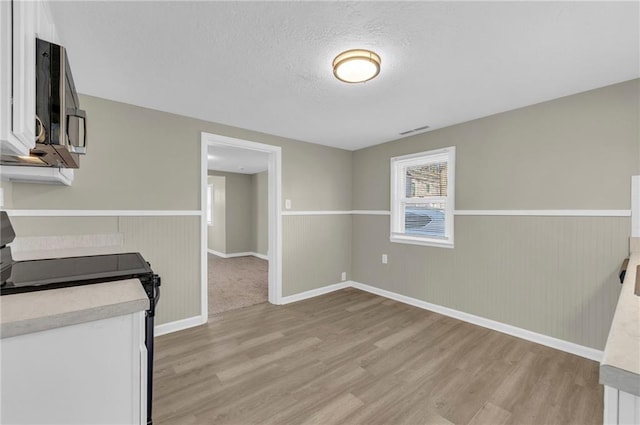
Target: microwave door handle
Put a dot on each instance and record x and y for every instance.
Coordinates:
(79, 113)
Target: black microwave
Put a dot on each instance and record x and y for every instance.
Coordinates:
(61, 126)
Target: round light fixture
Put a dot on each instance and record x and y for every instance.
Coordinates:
(356, 66)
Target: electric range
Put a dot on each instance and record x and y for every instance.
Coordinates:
(54, 273)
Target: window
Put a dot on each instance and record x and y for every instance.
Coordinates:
(210, 205)
(422, 198)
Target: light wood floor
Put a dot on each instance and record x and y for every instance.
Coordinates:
(350, 357)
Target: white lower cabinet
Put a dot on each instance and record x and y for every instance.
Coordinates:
(620, 407)
(90, 373)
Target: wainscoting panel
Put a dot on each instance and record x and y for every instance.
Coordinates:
(171, 245)
(316, 250)
(556, 276)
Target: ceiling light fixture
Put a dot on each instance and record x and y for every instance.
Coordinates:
(356, 66)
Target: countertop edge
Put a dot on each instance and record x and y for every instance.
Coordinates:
(38, 311)
(23, 327)
(620, 379)
(620, 365)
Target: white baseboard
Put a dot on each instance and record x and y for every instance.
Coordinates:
(569, 347)
(315, 292)
(260, 256)
(178, 325)
(237, 254)
(559, 344)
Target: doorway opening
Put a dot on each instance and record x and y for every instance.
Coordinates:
(228, 167)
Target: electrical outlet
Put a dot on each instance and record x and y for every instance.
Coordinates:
(287, 204)
(385, 260)
(344, 276)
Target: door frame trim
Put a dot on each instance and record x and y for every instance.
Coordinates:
(274, 207)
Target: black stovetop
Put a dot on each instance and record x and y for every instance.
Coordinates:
(52, 273)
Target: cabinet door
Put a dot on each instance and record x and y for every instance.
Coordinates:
(24, 71)
(5, 75)
(44, 23)
(81, 374)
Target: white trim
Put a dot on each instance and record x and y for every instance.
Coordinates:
(315, 292)
(210, 198)
(204, 277)
(274, 210)
(635, 206)
(101, 213)
(549, 213)
(158, 213)
(260, 256)
(569, 347)
(178, 325)
(411, 240)
(333, 212)
(610, 411)
(230, 255)
(46, 175)
(316, 212)
(398, 198)
(559, 344)
(371, 212)
(237, 254)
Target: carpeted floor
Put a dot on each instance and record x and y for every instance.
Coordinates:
(236, 282)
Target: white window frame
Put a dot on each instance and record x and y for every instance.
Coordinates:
(210, 204)
(399, 199)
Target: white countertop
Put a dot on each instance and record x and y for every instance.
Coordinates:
(42, 310)
(620, 366)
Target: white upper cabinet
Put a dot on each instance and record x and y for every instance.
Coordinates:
(9, 143)
(24, 71)
(20, 23)
(44, 24)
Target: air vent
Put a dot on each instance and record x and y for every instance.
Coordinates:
(424, 127)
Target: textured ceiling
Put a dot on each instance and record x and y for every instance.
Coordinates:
(266, 66)
(236, 160)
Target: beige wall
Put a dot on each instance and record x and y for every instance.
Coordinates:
(142, 159)
(317, 179)
(246, 229)
(260, 213)
(575, 152)
(238, 211)
(552, 275)
(316, 249)
(555, 276)
(216, 234)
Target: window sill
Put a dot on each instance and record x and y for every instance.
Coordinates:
(421, 241)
